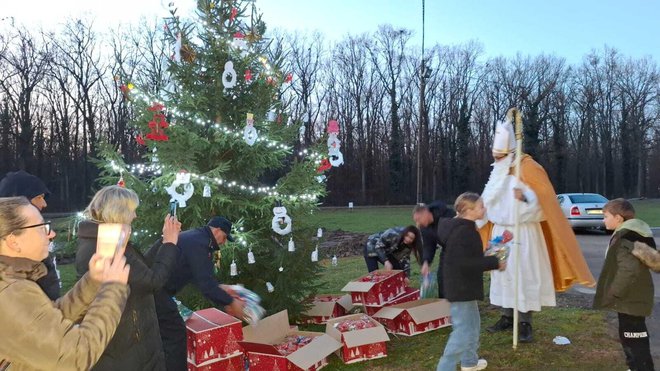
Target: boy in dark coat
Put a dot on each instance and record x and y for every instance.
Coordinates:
(625, 283)
(463, 264)
(21, 183)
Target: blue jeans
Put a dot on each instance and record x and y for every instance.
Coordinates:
(463, 341)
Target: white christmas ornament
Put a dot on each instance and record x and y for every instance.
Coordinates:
(292, 245)
(279, 219)
(320, 178)
(207, 191)
(335, 155)
(239, 43)
(177, 48)
(251, 257)
(229, 76)
(334, 260)
(301, 132)
(182, 178)
(281, 269)
(270, 287)
(249, 132)
(233, 270)
(319, 232)
(315, 254)
(271, 115)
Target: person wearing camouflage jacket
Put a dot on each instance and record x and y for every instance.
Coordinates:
(392, 248)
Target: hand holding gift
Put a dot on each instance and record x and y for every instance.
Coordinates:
(499, 247)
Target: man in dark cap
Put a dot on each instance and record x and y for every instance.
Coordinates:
(194, 264)
(22, 183)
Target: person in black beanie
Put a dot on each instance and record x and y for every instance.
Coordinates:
(22, 183)
(193, 265)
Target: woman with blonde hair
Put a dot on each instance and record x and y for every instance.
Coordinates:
(137, 344)
(38, 334)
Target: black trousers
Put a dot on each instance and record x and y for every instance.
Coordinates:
(372, 261)
(172, 332)
(635, 341)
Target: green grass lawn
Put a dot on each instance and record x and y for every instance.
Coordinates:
(366, 220)
(648, 210)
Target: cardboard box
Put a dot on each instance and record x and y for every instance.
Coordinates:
(376, 288)
(325, 307)
(259, 343)
(212, 334)
(410, 294)
(359, 345)
(415, 317)
(234, 363)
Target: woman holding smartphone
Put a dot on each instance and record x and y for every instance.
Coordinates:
(37, 333)
(136, 344)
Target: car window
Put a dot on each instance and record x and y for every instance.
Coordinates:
(560, 199)
(583, 199)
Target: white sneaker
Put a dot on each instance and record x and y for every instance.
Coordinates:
(481, 364)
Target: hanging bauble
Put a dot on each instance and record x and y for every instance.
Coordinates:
(281, 218)
(251, 257)
(207, 191)
(292, 245)
(247, 75)
(271, 115)
(334, 260)
(182, 178)
(319, 233)
(281, 269)
(336, 158)
(320, 178)
(315, 254)
(325, 165)
(233, 270)
(229, 76)
(270, 287)
(249, 132)
(301, 132)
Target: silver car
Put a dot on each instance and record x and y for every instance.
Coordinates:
(583, 210)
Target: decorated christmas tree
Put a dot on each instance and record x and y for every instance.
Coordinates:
(217, 140)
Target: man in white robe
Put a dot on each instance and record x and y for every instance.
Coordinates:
(535, 281)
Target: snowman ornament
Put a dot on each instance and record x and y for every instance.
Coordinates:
(335, 155)
(249, 132)
(280, 219)
(182, 179)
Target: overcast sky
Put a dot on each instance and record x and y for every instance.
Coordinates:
(565, 28)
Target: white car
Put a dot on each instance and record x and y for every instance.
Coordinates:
(583, 210)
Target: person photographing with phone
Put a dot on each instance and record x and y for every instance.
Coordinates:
(70, 333)
(137, 344)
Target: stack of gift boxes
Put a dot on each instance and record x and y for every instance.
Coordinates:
(213, 338)
(217, 341)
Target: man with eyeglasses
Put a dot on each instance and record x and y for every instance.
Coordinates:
(22, 183)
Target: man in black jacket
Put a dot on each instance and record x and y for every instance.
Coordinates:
(194, 264)
(427, 216)
(21, 183)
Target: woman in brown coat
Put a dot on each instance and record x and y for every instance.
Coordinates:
(38, 334)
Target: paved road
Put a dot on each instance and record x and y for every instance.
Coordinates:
(593, 246)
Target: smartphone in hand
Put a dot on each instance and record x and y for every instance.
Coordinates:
(173, 206)
(111, 237)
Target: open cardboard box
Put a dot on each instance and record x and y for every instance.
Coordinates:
(260, 340)
(359, 345)
(325, 307)
(415, 317)
(212, 334)
(387, 286)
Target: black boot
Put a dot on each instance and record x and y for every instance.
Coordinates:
(525, 332)
(503, 324)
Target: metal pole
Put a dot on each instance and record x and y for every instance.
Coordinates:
(420, 131)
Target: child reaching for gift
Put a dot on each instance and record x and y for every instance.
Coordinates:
(463, 263)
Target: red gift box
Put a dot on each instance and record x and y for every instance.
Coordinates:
(359, 345)
(325, 307)
(261, 340)
(410, 294)
(234, 363)
(415, 317)
(376, 288)
(212, 334)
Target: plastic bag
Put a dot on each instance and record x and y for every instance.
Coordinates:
(429, 286)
